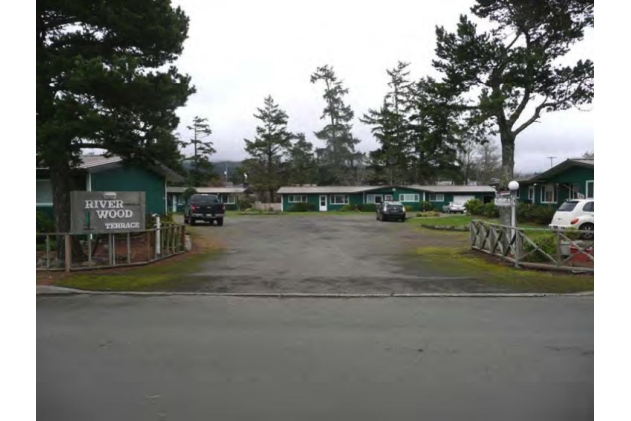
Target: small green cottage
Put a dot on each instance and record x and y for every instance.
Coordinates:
(571, 179)
(331, 198)
(229, 196)
(100, 173)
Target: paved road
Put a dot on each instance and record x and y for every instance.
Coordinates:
(220, 358)
(325, 254)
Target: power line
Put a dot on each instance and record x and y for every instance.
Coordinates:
(551, 158)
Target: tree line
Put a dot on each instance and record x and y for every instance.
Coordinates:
(106, 80)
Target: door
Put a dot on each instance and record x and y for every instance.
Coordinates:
(323, 206)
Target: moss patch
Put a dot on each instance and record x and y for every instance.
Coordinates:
(463, 262)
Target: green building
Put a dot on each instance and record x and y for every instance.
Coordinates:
(571, 179)
(331, 198)
(100, 173)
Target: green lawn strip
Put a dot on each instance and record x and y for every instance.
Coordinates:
(153, 277)
(464, 262)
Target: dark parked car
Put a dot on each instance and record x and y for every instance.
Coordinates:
(391, 211)
(204, 207)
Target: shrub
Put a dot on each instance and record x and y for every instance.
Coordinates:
(302, 207)
(346, 208)
(426, 206)
(428, 214)
(541, 215)
(547, 243)
(245, 202)
(475, 207)
(367, 207)
(44, 223)
(188, 193)
(491, 211)
(168, 218)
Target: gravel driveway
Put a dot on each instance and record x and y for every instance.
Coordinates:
(323, 254)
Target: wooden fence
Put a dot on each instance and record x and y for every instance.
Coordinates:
(537, 248)
(69, 252)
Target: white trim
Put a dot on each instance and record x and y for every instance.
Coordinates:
(88, 182)
(228, 198)
(533, 197)
(402, 195)
(374, 196)
(555, 193)
(166, 201)
(345, 196)
(436, 195)
(282, 203)
(292, 196)
(587, 188)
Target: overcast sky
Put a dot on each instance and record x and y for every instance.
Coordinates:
(238, 52)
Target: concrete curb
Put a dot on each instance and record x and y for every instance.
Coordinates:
(56, 291)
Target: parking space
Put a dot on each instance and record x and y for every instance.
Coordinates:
(324, 254)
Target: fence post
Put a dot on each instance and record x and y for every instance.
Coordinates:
(158, 235)
(148, 244)
(518, 247)
(558, 244)
(183, 238)
(68, 252)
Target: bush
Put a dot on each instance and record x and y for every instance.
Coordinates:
(426, 206)
(491, 211)
(428, 214)
(44, 224)
(475, 207)
(348, 208)
(302, 207)
(188, 193)
(547, 243)
(367, 207)
(245, 202)
(541, 215)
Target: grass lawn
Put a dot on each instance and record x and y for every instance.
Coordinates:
(464, 220)
(464, 262)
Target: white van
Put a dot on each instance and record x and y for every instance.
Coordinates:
(575, 213)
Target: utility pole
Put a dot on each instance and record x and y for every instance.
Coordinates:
(551, 158)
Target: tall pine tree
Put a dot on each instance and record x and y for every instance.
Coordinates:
(105, 80)
(264, 166)
(339, 156)
(301, 164)
(202, 169)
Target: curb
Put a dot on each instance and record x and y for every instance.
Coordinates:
(57, 291)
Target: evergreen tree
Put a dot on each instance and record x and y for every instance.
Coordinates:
(202, 169)
(494, 76)
(268, 147)
(105, 80)
(339, 154)
(301, 162)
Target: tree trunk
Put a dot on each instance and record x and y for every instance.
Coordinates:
(63, 183)
(508, 166)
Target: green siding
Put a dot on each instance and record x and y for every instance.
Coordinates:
(130, 178)
(572, 176)
(48, 210)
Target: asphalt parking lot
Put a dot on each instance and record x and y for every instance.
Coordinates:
(325, 254)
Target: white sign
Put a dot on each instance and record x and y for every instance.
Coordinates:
(503, 200)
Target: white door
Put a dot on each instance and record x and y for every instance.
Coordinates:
(323, 203)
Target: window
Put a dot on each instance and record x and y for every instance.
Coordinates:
(339, 199)
(531, 194)
(589, 207)
(549, 194)
(589, 189)
(227, 199)
(204, 199)
(575, 191)
(409, 198)
(44, 193)
(374, 198)
(388, 198)
(436, 197)
(297, 198)
(567, 206)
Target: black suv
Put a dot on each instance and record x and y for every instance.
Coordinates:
(391, 211)
(204, 207)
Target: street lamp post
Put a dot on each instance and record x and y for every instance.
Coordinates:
(513, 186)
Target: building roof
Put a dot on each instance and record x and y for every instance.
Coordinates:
(93, 163)
(209, 190)
(563, 166)
(361, 189)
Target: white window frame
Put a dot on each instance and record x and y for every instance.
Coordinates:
(386, 196)
(373, 197)
(575, 191)
(51, 192)
(587, 189)
(532, 195)
(228, 196)
(291, 198)
(334, 197)
(436, 197)
(555, 193)
(403, 197)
